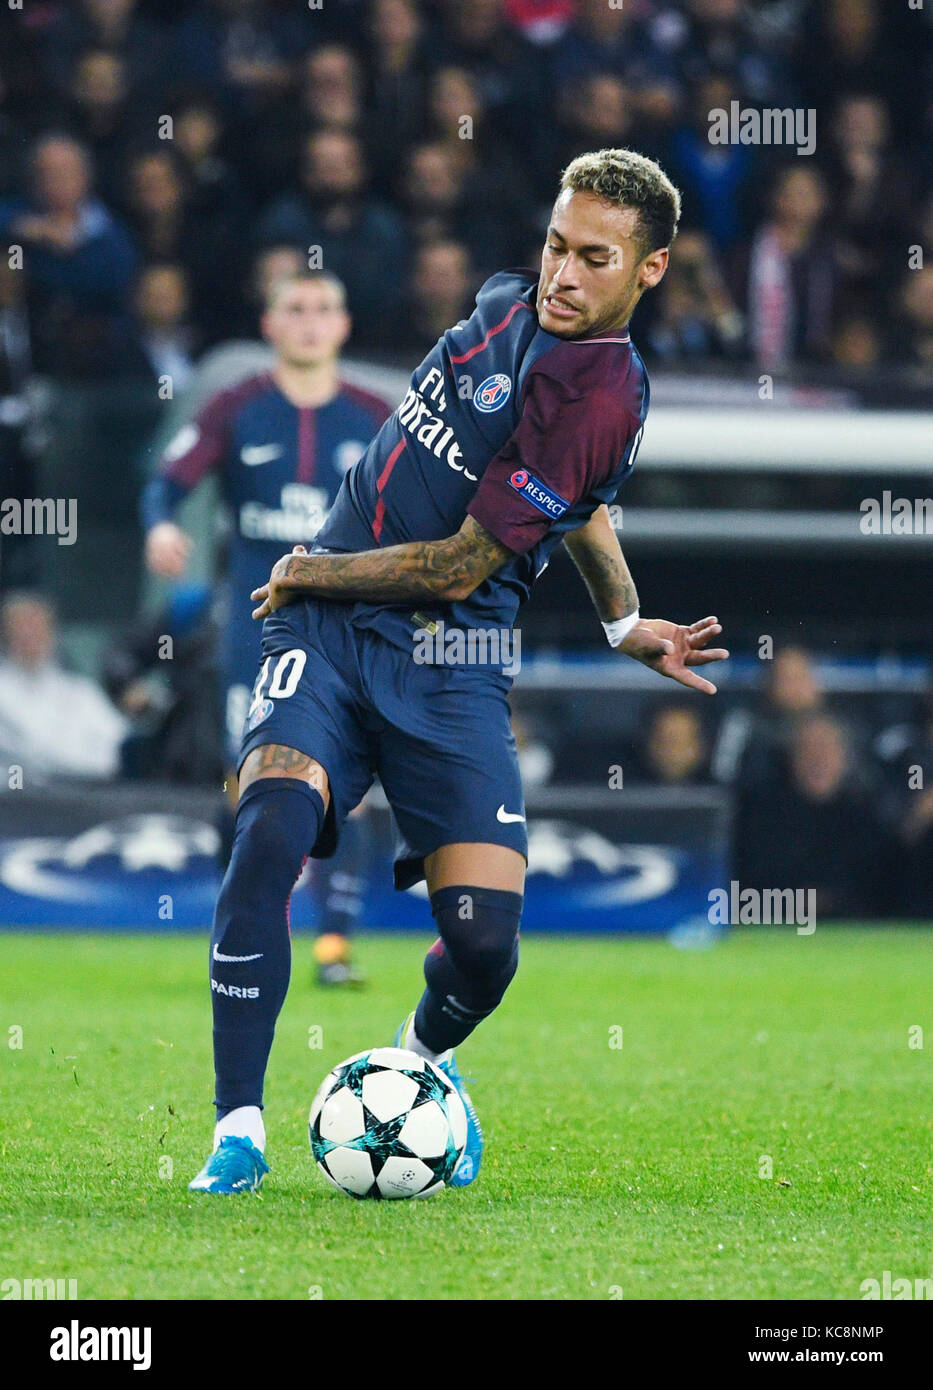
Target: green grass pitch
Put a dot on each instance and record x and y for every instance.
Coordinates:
(763, 1131)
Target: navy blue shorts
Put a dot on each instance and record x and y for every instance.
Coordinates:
(439, 737)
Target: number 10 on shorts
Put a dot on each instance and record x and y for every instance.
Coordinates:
(285, 671)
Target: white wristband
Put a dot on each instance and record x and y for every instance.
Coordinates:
(617, 632)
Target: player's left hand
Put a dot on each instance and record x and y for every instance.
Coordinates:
(671, 649)
(276, 594)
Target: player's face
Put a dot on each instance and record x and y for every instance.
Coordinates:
(593, 271)
(307, 323)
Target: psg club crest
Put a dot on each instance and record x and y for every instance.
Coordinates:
(257, 714)
(492, 393)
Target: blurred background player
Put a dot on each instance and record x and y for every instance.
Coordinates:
(282, 441)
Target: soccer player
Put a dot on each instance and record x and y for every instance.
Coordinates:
(517, 431)
(282, 441)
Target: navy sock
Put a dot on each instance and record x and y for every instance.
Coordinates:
(278, 820)
(469, 969)
(338, 882)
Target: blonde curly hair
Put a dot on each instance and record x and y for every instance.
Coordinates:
(629, 180)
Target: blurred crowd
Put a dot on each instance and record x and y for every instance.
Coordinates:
(150, 150)
(825, 794)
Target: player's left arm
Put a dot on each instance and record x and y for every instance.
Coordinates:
(671, 649)
(446, 570)
(595, 550)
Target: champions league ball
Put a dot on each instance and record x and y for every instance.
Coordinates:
(387, 1124)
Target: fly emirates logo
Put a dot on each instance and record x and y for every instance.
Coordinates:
(415, 415)
(300, 515)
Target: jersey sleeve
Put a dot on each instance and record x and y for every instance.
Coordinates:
(381, 411)
(566, 443)
(195, 450)
(200, 446)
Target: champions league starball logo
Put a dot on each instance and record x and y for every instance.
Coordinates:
(492, 393)
(109, 863)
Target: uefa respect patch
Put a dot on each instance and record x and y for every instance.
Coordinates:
(540, 496)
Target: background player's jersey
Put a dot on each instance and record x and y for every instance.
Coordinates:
(279, 465)
(525, 431)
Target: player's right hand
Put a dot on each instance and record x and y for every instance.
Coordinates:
(274, 594)
(167, 550)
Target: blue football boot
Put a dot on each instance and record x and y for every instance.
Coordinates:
(236, 1165)
(467, 1170)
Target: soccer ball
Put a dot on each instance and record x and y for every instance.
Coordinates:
(387, 1124)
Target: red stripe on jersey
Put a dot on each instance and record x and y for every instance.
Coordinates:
(492, 333)
(378, 520)
(390, 464)
(307, 433)
(380, 484)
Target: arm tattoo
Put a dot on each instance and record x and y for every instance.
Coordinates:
(597, 555)
(446, 570)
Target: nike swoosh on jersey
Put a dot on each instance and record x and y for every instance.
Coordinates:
(253, 454)
(507, 817)
(228, 959)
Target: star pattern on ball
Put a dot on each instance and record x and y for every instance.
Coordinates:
(352, 1075)
(381, 1139)
(430, 1086)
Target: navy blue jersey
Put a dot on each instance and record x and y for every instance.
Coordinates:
(524, 431)
(280, 467)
